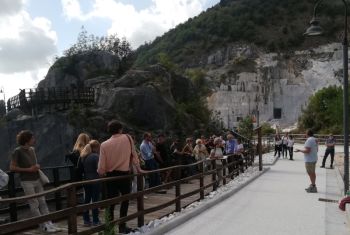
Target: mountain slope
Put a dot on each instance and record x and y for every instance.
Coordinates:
(275, 25)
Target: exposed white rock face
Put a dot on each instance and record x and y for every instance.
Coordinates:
(272, 86)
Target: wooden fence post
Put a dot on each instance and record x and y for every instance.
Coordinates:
(56, 183)
(224, 165)
(72, 202)
(201, 180)
(177, 195)
(140, 201)
(12, 193)
(213, 176)
(260, 150)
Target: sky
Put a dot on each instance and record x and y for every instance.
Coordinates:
(34, 32)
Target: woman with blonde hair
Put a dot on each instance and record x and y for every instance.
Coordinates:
(82, 140)
(89, 158)
(74, 156)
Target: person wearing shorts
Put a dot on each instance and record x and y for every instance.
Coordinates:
(310, 157)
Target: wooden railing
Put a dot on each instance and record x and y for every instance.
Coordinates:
(54, 173)
(229, 171)
(36, 99)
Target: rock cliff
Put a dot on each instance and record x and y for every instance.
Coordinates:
(273, 87)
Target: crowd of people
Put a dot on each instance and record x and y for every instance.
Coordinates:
(284, 145)
(119, 155)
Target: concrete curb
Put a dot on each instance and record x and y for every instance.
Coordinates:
(166, 227)
(268, 164)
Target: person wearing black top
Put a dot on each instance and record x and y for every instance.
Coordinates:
(163, 151)
(330, 142)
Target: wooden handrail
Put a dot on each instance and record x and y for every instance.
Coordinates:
(73, 209)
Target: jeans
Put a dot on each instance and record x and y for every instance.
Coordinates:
(290, 149)
(122, 186)
(284, 150)
(328, 151)
(92, 193)
(37, 205)
(154, 178)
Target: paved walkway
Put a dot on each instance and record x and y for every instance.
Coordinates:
(276, 203)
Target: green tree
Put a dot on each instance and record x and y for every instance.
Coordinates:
(266, 129)
(245, 127)
(90, 43)
(324, 113)
(164, 60)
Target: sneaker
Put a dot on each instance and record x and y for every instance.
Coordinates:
(96, 223)
(322, 166)
(87, 224)
(331, 167)
(51, 225)
(311, 189)
(46, 228)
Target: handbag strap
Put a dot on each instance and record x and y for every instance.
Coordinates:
(132, 149)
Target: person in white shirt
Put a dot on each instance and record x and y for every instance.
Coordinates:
(284, 145)
(278, 145)
(217, 154)
(310, 156)
(290, 144)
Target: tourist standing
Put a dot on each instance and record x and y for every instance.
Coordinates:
(217, 154)
(290, 145)
(148, 155)
(230, 149)
(330, 143)
(163, 150)
(89, 158)
(117, 154)
(82, 140)
(24, 162)
(188, 158)
(278, 145)
(200, 152)
(284, 145)
(310, 156)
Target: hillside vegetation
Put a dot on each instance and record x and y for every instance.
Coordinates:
(271, 24)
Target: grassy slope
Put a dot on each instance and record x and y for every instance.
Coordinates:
(276, 25)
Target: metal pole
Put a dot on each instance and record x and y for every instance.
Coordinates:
(346, 103)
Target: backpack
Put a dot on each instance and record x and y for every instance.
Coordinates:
(74, 158)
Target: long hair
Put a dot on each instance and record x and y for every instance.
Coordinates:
(92, 147)
(82, 140)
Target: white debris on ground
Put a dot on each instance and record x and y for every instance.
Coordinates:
(233, 184)
(268, 158)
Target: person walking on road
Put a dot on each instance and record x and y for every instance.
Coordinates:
(284, 145)
(330, 143)
(290, 145)
(310, 157)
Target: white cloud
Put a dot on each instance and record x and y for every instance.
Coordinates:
(138, 26)
(26, 46)
(13, 82)
(71, 9)
(9, 7)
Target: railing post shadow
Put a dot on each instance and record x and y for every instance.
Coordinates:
(56, 183)
(72, 202)
(140, 201)
(201, 180)
(213, 176)
(12, 193)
